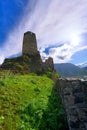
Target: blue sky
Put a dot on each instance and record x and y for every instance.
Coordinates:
(60, 27)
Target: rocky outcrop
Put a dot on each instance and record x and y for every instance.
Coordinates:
(74, 97)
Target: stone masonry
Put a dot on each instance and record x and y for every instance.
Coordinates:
(48, 64)
(74, 98)
(30, 61)
(29, 43)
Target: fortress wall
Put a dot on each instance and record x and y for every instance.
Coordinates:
(74, 97)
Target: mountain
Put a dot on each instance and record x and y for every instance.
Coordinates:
(82, 65)
(85, 68)
(69, 70)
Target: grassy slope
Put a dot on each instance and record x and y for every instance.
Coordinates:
(28, 102)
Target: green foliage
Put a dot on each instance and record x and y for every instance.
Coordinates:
(28, 102)
(53, 117)
(48, 73)
(1, 119)
(57, 75)
(5, 73)
(19, 66)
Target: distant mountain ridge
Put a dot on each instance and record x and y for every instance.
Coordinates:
(83, 64)
(69, 70)
(84, 68)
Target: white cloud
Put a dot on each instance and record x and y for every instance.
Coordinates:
(53, 21)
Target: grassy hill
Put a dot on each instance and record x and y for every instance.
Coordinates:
(29, 102)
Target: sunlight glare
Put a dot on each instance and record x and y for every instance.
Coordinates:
(75, 39)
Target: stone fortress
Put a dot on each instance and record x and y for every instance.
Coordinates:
(30, 61)
(72, 91)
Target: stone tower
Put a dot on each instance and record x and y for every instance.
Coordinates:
(29, 43)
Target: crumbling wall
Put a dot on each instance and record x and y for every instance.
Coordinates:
(74, 98)
(48, 64)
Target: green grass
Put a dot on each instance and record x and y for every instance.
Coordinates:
(28, 102)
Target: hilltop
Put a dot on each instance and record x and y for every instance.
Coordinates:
(28, 100)
(30, 60)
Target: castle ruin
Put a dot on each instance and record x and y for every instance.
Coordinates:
(29, 43)
(30, 61)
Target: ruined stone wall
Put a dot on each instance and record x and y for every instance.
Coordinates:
(29, 43)
(74, 98)
(30, 61)
(48, 64)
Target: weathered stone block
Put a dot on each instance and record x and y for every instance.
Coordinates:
(74, 97)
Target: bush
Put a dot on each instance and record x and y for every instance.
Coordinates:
(48, 74)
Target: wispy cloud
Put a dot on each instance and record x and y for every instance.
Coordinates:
(53, 21)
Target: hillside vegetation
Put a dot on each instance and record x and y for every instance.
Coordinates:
(29, 102)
